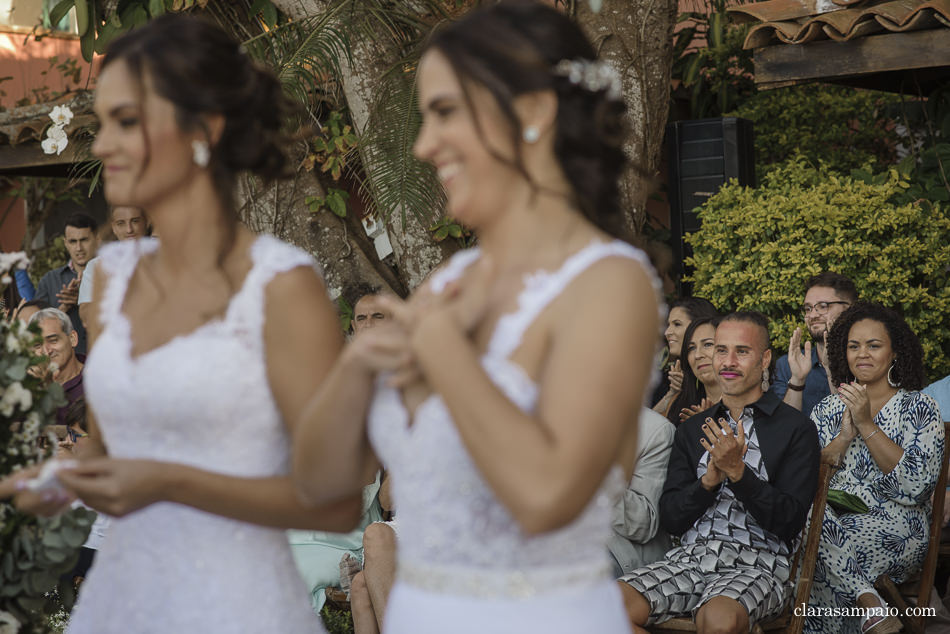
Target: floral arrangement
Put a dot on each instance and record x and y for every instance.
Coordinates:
(56, 139)
(34, 552)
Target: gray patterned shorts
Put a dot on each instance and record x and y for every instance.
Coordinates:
(692, 575)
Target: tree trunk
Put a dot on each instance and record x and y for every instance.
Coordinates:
(636, 38)
(414, 250)
(281, 210)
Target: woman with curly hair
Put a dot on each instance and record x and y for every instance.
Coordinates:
(887, 440)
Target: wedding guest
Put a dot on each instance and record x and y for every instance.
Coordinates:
(60, 287)
(701, 389)
(888, 440)
(681, 314)
(801, 376)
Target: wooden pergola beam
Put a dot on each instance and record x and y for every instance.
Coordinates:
(786, 64)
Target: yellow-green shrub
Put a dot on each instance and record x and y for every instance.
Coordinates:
(757, 247)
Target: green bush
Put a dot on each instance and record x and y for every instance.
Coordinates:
(843, 127)
(757, 247)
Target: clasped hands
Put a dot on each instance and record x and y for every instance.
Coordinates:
(726, 452)
(417, 325)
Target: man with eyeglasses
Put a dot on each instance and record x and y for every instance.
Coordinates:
(801, 376)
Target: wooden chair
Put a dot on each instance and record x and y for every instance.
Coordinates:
(920, 588)
(806, 555)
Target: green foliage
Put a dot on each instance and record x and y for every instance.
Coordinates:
(757, 247)
(101, 21)
(52, 256)
(842, 127)
(335, 201)
(396, 180)
(346, 313)
(928, 165)
(34, 552)
(333, 147)
(717, 76)
(337, 621)
(446, 227)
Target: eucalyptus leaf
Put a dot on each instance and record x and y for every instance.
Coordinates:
(17, 368)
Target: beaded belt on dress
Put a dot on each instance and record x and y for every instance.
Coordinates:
(511, 584)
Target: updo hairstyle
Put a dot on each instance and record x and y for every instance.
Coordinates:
(202, 70)
(512, 48)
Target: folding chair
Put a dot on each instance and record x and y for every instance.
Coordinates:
(921, 587)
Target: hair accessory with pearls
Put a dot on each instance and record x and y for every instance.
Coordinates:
(592, 75)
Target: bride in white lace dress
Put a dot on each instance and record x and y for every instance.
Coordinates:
(208, 344)
(503, 397)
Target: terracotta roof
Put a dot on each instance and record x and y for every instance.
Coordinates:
(802, 21)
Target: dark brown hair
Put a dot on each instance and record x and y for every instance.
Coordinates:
(203, 71)
(908, 370)
(512, 48)
(840, 284)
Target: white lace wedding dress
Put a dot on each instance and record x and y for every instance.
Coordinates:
(464, 564)
(202, 399)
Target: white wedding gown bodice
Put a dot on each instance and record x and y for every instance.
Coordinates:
(202, 399)
(456, 540)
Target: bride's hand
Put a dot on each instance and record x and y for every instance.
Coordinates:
(43, 503)
(117, 487)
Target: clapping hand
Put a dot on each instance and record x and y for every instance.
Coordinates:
(703, 405)
(855, 397)
(799, 360)
(726, 449)
(675, 375)
(68, 296)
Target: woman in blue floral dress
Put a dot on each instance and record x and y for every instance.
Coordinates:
(888, 440)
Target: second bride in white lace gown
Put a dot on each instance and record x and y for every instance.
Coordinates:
(503, 396)
(208, 344)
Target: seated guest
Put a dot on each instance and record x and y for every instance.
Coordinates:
(888, 439)
(637, 539)
(700, 384)
(682, 313)
(801, 378)
(319, 554)
(127, 223)
(740, 481)
(59, 345)
(26, 310)
(369, 593)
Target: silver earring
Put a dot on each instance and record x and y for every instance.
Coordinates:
(531, 134)
(765, 380)
(890, 380)
(200, 153)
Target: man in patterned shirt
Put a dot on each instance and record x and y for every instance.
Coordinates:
(740, 481)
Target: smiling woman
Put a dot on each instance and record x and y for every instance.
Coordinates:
(207, 346)
(887, 437)
(506, 420)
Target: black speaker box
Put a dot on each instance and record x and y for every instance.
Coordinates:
(703, 154)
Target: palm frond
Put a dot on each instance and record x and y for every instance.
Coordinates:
(395, 180)
(305, 55)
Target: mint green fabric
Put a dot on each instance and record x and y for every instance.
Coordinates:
(318, 553)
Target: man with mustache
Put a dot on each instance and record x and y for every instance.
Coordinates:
(741, 478)
(801, 376)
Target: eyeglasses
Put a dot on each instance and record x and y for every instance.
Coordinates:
(820, 307)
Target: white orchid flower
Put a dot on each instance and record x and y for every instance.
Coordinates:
(61, 115)
(52, 145)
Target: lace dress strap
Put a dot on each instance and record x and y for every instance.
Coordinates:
(270, 257)
(118, 260)
(541, 288)
(453, 269)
